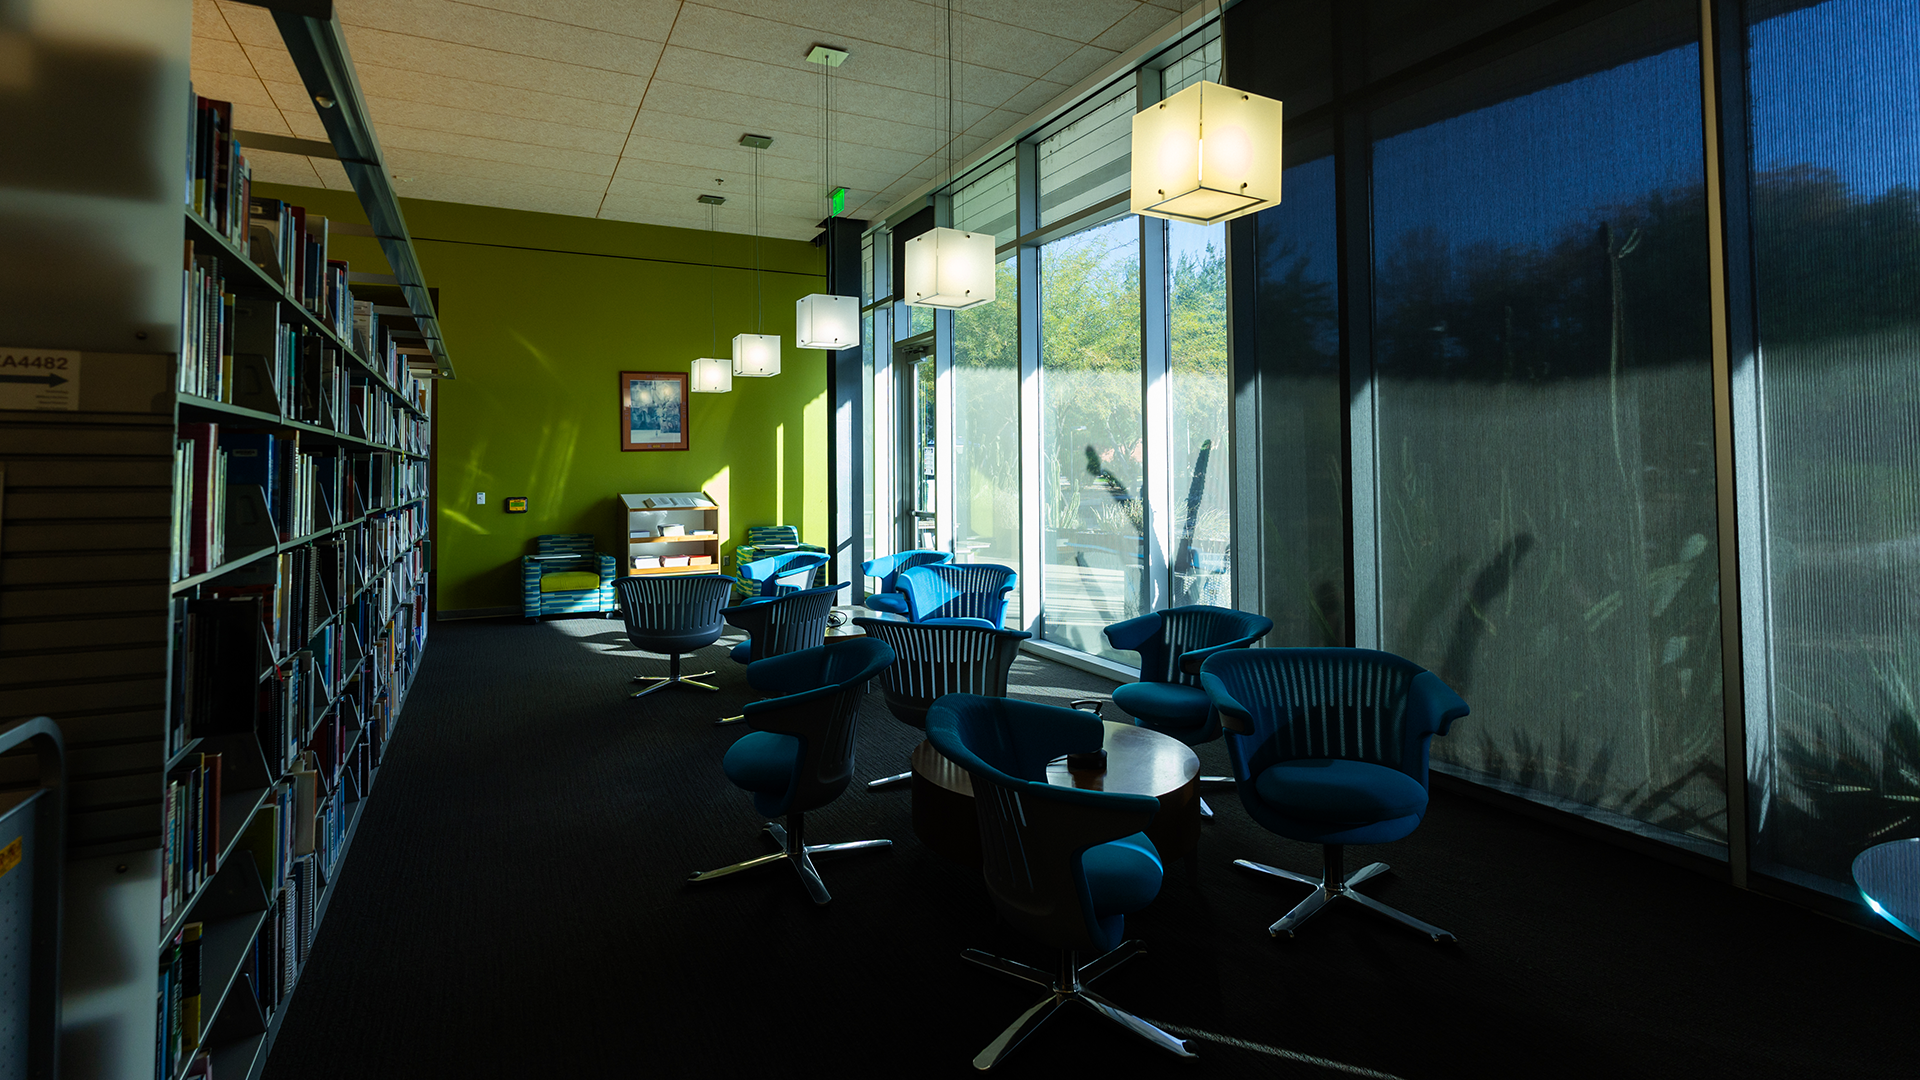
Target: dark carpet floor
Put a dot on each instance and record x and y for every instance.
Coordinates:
(514, 905)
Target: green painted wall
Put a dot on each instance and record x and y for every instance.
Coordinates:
(541, 313)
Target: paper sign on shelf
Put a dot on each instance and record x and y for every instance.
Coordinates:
(39, 380)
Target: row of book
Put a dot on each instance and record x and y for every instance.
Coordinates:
(219, 180)
(237, 491)
(285, 241)
(180, 1005)
(190, 831)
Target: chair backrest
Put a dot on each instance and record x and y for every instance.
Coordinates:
(931, 660)
(820, 707)
(1354, 704)
(957, 591)
(563, 544)
(784, 624)
(669, 606)
(887, 567)
(785, 573)
(1164, 638)
(1033, 835)
(772, 535)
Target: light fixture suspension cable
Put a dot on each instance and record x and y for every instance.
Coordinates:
(758, 306)
(713, 257)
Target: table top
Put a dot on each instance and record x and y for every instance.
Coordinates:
(846, 629)
(1139, 762)
(1889, 879)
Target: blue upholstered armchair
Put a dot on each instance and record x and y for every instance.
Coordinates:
(1172, 644)
(976, 592)
(932, 660)
(800, 754)
(778, 575)
(1329, 747)
(776, 625)
(888, 596)
(1064, 865)
(673, 614)
(764, 541)
(565, 574)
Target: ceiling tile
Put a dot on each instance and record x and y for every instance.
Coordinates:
(250, 23)
(223, 56)
(239, 89)
(296, 109)
(1081, 64)
(474, 191)
(848, 24)
(1129, 31)
(486, 149)
(505, 32)
(209, 23)
(269, 168)
(1080, 20)
(394, 84)
(409, 165)
(265, 119)
(650, 19)
(270, 61)
(407, 53)
(419, 115)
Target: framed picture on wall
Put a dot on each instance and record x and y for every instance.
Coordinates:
(653, 410)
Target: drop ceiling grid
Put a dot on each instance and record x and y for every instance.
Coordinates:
(627, 108)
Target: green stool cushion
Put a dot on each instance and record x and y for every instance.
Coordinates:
(569, 581)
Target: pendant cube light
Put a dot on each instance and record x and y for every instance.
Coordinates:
(824, 321)
(711, 375)
(948, 268)
(1208, 153)
(756, 355)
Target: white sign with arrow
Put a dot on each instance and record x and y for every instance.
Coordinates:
(39, 380)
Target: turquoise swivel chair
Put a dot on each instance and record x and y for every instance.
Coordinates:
(888, 597)
(799, 757)
(1064, 865)
(1329, 747)
(973, 592)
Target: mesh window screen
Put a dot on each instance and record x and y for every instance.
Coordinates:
(1543, 447)
(1087, 161)
(988, 204)
(1836, 204)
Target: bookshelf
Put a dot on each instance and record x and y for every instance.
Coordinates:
(665, 527)
(216, 548)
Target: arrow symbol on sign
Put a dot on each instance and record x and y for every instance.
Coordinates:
(50, 380)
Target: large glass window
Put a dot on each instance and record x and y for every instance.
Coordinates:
(1836, 204)
(1545, 484)
(1091, 434)
(986, 430)
(1199, 390)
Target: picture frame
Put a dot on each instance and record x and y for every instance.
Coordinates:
(653, 410)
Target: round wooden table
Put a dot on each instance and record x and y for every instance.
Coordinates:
(1139, 762)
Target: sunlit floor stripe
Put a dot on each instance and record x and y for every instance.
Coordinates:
(1274, 1051)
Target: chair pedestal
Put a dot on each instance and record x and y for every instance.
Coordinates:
(795, 851)
(1068, 984)
(896, 778)
(672, 678)
(1333, 885)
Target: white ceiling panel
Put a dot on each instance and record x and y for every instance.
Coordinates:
(629, 109)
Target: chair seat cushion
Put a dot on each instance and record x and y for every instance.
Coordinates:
(743, 652)
(1343, 792)
(569, 581)
(888, 601)
(762, 762)
(1173, 704)
(1122, 875)
(962, 620)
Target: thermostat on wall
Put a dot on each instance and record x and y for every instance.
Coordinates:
(516, 504)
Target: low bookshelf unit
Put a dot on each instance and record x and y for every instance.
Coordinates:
(671, 532)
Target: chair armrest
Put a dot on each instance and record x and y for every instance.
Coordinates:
(609, 567)
(1134, 632)
(1190, 661)
(1438, 706)
(1234, 716)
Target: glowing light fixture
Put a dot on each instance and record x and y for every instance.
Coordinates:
(1208, 153)
(948, 268)
(825, 321)
(756, 355)
(711, 375)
